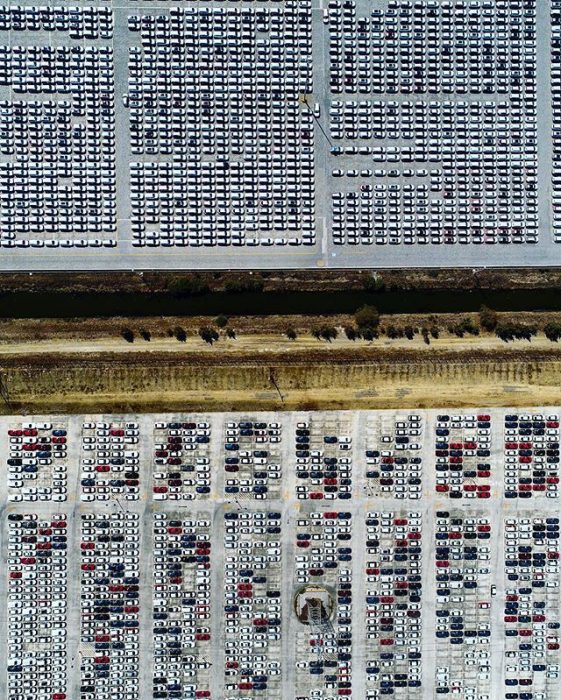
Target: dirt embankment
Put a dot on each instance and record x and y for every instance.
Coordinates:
(278, 281)
(319, 379)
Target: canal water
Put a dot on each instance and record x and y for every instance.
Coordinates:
(65, 305)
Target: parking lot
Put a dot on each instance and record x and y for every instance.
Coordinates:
(384, 585)
(304, 134)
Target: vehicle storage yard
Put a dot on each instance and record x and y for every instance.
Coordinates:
(288, 555)
(280, 134)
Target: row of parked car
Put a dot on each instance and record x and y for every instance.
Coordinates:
(556, 118)
(78, 22)
(232, 189)
(37, 462)
(323, 462)
(394, 585)
(110, 461)
(109, 606)
(37, 607)
(181, 612)
(442, 55)
(463, 608)
(252, 604)
(252, 459)
(531, 607)
(57, 175)
(463, 455)
(323, 558)
(531, 450)
(182, 470)
(393, 462)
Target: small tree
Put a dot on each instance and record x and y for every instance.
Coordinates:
(128, 335)
(351, 333)
(552, 331)
(316, 332)
(291, 333)
(180, 334)
(239, 286)
(374, 284)
(367, 317)
(188, 286)
(328, 333)
(221, 321)
(145, 334)
(488, 318)
(369, 334)
(434, 332)
(409, 332)
(469, 326)
(209, 335)
(506, 331)
(231, 333)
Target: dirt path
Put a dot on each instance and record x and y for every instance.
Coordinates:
(270, 343)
